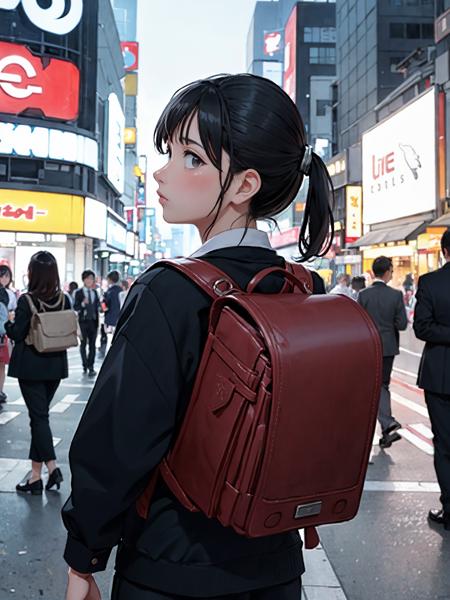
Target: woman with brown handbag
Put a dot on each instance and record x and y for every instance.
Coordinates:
(39, 374)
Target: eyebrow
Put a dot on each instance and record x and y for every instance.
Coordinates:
(190, 141)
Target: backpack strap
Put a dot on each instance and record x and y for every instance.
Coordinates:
(33, 308)
(301, 273)
(212, 280)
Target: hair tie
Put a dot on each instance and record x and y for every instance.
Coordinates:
(305, 166)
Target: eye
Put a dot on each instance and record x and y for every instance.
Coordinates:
(192, 161)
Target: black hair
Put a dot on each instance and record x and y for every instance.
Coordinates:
(43, 276)
(113, 276)
(87, 273)
(358, 282)
(257, 124)
(73, 285)
(445, 241)
(5, 270)
(124, 283)
(380, 265)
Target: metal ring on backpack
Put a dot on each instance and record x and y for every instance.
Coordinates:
(220, 292)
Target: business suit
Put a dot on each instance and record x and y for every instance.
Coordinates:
(39, 376)
(432, 325)
(88, 319)
(386, 307)
(150, 370)
(112, 304)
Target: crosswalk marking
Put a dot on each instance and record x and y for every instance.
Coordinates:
(6, 417)
(401, 486)
(56, 441)
(19, 402)
(423, 430)
(418, 408)
(408, 434)
(60, 407)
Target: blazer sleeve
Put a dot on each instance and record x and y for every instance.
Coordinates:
(18, 329)
(125, 431)
(401, 318)
(426, 327)
(77, 305)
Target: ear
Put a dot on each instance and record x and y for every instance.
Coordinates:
(246, 185)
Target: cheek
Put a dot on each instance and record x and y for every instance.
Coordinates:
(202, 181)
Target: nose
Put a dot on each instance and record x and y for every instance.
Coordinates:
(158, 174)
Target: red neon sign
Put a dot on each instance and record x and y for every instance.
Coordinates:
(29, 214)
(50, 86)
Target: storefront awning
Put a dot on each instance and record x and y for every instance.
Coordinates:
(391, 234)
(443, 221)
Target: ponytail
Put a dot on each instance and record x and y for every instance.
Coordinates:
(317, 230)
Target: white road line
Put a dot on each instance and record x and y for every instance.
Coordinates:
(409, 373)
(56, 441)
(88, 386)
(70, 398)
(319, 582)
(401, 486)
(19, 402)
(6, 417)
(419, 354)
(60, 407)
(416, 441)
(423, 429)
(421, 410)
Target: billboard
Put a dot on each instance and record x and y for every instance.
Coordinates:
(39, 212)
(399, 163)
(353, 213)
(56, 18)
(43, 87)
(273, 42)
(290, 55)
(116, 143)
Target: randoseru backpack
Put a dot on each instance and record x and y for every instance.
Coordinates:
(3, 318)
(279, 427)
(52, 330)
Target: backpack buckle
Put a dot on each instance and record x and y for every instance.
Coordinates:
(218, 289)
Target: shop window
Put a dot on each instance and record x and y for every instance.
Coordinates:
(322, 56)
(427, 31)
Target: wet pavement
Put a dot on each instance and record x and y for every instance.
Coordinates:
(388, 551)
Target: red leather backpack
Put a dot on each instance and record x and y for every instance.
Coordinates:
(278, 431)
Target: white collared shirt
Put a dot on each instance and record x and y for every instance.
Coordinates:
(233, 238)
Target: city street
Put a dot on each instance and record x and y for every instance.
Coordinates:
(388, 551)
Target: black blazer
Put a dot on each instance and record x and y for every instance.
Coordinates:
(80, 308)
(387, 308)
(139, 399)
(26, 362)
(112, 301)
(432, 325)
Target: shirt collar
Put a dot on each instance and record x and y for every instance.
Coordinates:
(377, 280)
(233, 238)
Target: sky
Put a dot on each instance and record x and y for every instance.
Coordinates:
(180, 41)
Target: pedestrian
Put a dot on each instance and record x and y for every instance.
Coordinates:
(432, 325)
(87, 306)
(385, 306)
(6, 281)
(123, 294)
(111, 300)
(408, 283)
(237, 153)
(342, 285)
(72, 288)
(4, 347)
(358, 284)
(39, 374)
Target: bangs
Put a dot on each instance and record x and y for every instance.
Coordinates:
(201, 100)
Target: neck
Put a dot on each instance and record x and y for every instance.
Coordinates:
(221, 227)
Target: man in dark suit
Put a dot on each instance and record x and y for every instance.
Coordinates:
(87, 305)
(432, 325)
(386, 307)
(111, 299)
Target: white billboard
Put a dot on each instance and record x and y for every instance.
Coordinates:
(94, 219)
(116, 143)
(399, 163)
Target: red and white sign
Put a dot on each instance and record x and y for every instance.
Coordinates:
(353, 219)
(290, 55)
(15, 213)
(288, 237)
(272, 42)
(130, 53)
(50, 86)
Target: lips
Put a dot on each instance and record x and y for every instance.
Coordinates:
(162, 199)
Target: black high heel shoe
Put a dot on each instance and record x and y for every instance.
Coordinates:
(55, 478)
(34, 488)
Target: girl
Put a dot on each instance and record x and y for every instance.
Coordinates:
(237, 153)
(39, 374)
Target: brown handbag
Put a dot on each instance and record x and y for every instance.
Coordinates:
(51, 331)
(278, 431)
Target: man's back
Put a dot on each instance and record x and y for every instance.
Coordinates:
(386, 307)
(432, 325)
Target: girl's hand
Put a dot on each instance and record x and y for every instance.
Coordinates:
(81, 586)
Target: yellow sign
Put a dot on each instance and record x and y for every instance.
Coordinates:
(353, 226)
(130, 136)
(131, 84)
(39, 212)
